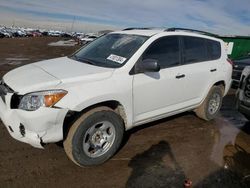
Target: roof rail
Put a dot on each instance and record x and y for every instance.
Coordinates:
(138, 28)
(191, 30)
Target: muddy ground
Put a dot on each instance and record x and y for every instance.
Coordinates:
(159, 154)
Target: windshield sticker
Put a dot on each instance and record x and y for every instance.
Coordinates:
(116, 58)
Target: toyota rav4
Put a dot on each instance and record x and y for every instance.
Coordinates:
(119, 81)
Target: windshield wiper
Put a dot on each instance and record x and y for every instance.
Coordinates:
(83, 60)
(86, 61)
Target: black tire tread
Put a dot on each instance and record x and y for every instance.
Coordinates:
(201, 111)
(68, 143)
(68, 147)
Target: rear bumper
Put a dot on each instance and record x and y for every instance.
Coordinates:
(44, 125)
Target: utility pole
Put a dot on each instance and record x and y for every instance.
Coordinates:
(13, 23)
(73, 22)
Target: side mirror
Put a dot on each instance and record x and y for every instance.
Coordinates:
(148, 65)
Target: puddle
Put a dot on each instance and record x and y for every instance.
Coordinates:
(17, 59)
(63, 43)
(231, 143)
(228, 126)
(225, 135)
(14, 61)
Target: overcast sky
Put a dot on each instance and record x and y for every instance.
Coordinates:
(219, 16)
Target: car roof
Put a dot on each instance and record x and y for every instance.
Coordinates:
(153, 31)
(172, 31)
(143, 32)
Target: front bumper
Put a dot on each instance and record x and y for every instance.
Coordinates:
(44, 125)
(242, 103)
(236, 77)
(244, 109)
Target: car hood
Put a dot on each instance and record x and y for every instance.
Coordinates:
(50, 73)
(69, 70)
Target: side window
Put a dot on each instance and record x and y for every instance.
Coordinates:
(214, 49)
(194, 50)
(165, 51)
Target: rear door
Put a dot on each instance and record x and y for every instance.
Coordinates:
(199, 66)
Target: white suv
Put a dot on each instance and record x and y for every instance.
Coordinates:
(119, 81)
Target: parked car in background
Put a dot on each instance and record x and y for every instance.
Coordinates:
(87, 39)
(7, 34)
(66, 35)
(55, 33)
(36, 34)
(120, 80)
(2, 35)
(243, 93)
(238, 67)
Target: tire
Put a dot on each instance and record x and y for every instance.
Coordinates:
(94, 137)
(210, 107)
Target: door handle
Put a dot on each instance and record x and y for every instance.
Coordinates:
(180, 76)
(213, 70)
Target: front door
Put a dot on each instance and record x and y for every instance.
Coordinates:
(157, 93)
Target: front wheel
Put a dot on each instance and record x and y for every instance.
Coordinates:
(211, 105)
(94, 137)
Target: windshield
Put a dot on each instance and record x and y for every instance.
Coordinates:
(112, 50)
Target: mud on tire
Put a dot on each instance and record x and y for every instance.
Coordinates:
(94, 137)
(211, 105)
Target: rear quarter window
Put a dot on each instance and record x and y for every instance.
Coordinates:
(196, 49)
(214, 49)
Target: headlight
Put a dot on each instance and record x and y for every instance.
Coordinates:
(33, 101)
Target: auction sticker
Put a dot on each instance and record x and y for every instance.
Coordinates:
(116, 58)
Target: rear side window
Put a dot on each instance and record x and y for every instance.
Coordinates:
(194, 50)
(214, 49)
(165, 50)
(197, 49)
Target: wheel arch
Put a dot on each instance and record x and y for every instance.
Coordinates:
(72, 116)
(221, 82)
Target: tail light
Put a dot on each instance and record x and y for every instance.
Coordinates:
(230, 61)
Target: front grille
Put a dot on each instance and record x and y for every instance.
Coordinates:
(3, 98)
(247, 87)
(3, 92)
(8, 89)
(4, 89)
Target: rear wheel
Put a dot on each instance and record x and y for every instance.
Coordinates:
(94, 137)
(211, 105)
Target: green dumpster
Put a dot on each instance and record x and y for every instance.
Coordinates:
(241, 46)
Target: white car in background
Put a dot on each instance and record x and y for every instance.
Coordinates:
(87, 39)
(119, 81)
